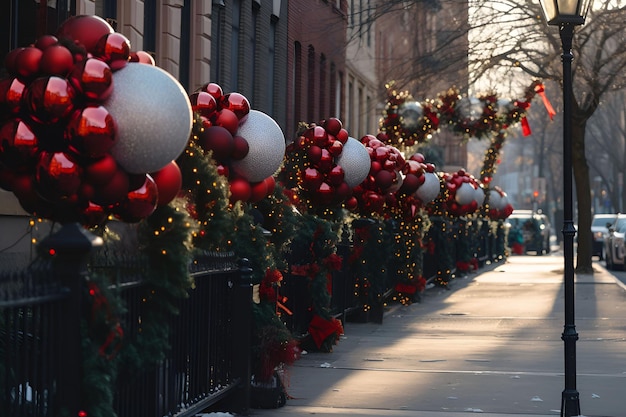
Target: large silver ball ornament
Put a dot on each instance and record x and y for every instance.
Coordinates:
(153, 117)
(503, 107)
(355, 162)
(497, 200)
(470, 108)
(465, 194)
(411, 113)
(429, 190)
(267, 147)
(479, 196)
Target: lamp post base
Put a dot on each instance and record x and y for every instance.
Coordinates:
(570, 404)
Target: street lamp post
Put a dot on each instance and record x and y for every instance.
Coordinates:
(566, 14)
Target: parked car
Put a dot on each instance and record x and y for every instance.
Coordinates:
(614, 252)
(599, 231)
(529, 229)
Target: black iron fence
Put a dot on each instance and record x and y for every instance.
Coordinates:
(41, 311)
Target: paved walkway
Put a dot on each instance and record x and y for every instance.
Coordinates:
(491, 345)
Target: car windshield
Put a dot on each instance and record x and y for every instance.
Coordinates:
(601, 221)
(620, 225)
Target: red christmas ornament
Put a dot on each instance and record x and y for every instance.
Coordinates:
(11, 92)
(240, 190)
(49, 99)
(114, 49)
(93, 78)
(314, 154)
(237, 103)
(18, 145)
(10, 61)
(333, 126)
(29, 199)
(93, 215)
(27, 62)
(384, 179)
(140, 202)
(351, 203)
(342, 136)
(312, 179)
(46, 41)
(223, 170)
(142, 57)
(218, 140)
(240, 148)
(336, 175)
(228, 120)
(203, 103)
(326, 161)
(325, 193)
(410, 184)
(271, 185)
(258, 191)
(56, 60)
(113, 191)
(319, 136)
(57, 176)
(169, 181)
(92, 131)
(335, 148)
(214, 89)
(102, 170)
(85, 30)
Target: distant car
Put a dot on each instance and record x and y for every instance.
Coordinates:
(614, 252)
(599, 231)
(530, 229)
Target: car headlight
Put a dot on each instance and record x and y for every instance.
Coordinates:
(598, 235)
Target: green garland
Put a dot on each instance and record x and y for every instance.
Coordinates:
(164, 239)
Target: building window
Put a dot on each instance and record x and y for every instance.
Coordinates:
(271, 57)
(322, 99)
(297, 83)
(351, 118)
(333, 90)
(252, 67)
(311, 85)
(234, 45)
(149, 26)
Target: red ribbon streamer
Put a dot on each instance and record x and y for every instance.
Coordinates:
(539, 88)
(525, 126)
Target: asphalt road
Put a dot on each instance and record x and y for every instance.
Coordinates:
(490, 345)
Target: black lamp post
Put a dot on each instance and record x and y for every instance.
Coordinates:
(566, 14)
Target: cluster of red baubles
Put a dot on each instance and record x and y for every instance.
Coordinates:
(384, 177)
(55, 133)
(221, 116)
(321, 179)
(464, 195)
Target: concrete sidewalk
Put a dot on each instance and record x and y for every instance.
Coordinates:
(490, 345)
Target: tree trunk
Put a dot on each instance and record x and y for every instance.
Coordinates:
(583, 196)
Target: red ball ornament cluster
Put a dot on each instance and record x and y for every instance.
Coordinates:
(56, 134)
(321, 180)
(223, 117)
(385, 176)
(464, 193)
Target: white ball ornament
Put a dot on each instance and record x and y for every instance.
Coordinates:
(267, 147)
(503, 107)
(465, 194)
(153, 117)
(429, 190)
(355, 162)
(498, 200)
(470, 108)
(479, 196)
